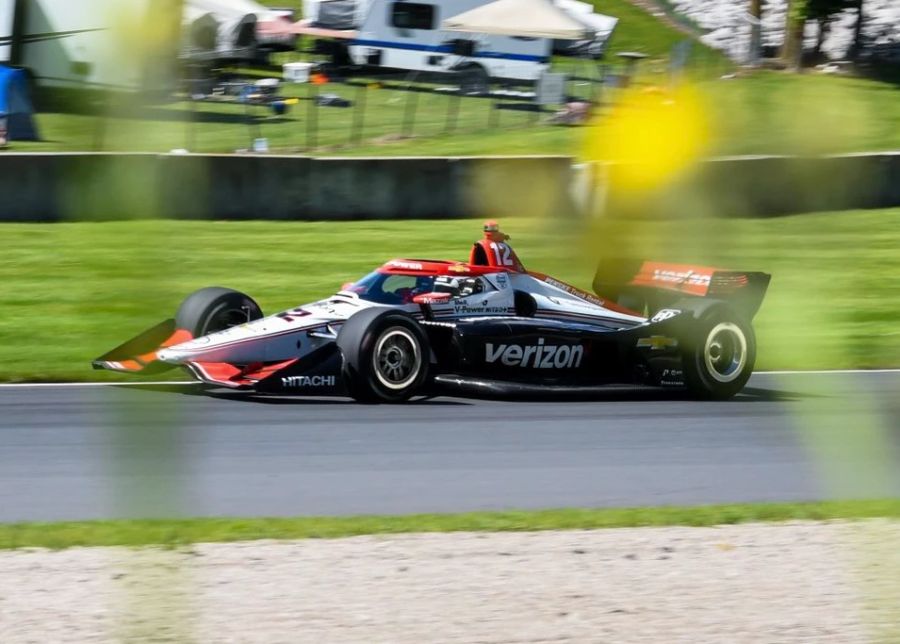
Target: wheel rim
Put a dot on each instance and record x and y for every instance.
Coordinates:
(397, 359)
(725, 352)
(225, 319)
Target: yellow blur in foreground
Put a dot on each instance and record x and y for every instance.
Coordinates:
(657, 134)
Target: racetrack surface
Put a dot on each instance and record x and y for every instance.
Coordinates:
(164, 451)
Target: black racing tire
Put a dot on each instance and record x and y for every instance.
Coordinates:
(214, 309)
(719, 355)
(386, 356)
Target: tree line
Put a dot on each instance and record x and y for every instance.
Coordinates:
(798, 13)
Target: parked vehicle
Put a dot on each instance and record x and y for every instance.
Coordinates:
(408, 36)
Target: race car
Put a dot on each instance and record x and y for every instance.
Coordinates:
(488, 326)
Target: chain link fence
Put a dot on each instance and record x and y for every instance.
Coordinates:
(342, 109)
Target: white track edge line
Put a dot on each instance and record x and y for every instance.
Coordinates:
(168, 383)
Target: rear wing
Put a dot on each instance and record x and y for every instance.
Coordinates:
(655, 285)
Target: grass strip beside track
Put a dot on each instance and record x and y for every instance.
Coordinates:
(72, 291)
(178, 532)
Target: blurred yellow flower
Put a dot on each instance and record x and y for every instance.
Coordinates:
(653, 134)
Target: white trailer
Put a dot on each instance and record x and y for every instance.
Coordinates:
(408, 36)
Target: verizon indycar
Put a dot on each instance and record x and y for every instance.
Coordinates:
(487, 326)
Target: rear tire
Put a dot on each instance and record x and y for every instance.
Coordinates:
(386, 356)
(214, 309)
(719, 358)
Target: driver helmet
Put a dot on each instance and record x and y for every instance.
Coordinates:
(446, 284)
(458, 286)
(492, 231)
(423, 285)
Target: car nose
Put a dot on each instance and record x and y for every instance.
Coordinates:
(169, 355)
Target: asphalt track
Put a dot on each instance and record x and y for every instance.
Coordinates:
(156, 451)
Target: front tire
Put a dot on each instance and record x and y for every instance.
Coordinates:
(215, 309)
(386, 356)
(719, 358)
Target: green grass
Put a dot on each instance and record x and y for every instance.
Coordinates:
(72, 291)
(178, 532)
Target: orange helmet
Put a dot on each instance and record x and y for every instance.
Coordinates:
(492, 231)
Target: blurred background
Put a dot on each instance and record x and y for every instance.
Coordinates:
(155, 147)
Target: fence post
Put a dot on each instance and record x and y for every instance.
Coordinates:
(312, 115)
(255, 132)
(409, 116)
(493, 115)
(100, 127)
(452, 112)
(189, 138)
(359, 115)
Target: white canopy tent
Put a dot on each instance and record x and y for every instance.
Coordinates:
(602, 26)
(524, 18)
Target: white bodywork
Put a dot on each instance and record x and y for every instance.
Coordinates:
(297, 332)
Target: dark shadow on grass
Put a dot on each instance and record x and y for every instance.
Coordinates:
(237, 117)
(521, 107)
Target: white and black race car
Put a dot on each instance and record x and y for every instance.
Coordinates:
(486, 327)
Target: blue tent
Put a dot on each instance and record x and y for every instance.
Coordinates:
(15, 105)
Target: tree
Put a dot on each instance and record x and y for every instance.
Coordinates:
(794, 22)
(755, 32)
(798, 12)
(856, 47)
